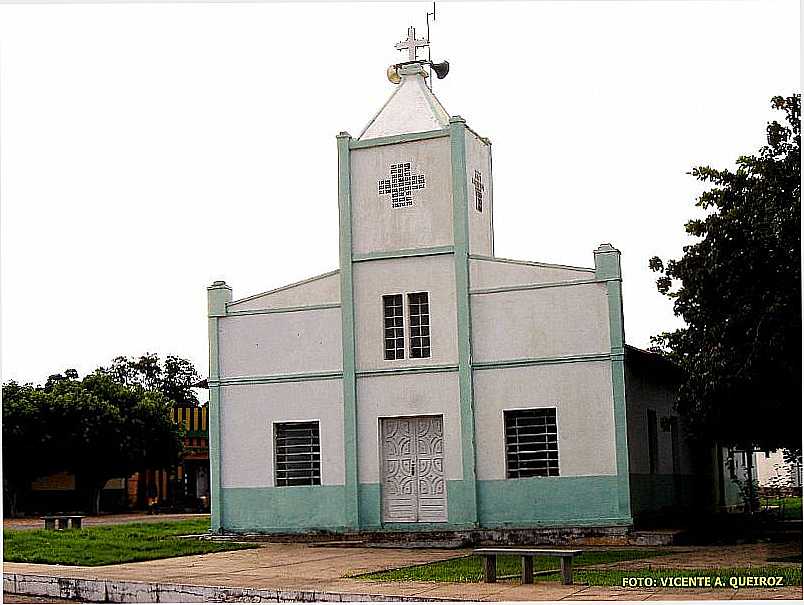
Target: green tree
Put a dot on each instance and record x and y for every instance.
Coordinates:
(738, 290)
(108, 429)
(103, 426)
(26, 442)
(174, 377)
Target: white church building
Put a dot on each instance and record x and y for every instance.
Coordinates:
(427, 384)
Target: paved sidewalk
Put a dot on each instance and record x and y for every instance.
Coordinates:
(296, 567)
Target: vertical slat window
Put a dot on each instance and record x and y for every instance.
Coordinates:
(393, 317)
(676, 445)
(653, 442)
(297, 452)
(419, 314)
(531, 443)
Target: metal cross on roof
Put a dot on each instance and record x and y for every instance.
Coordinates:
(411, 44)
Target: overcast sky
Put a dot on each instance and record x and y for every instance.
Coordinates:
(149, 149)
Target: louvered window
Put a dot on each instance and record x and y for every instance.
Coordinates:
(531, 443)
(419, 313)
(394, 326)
(297, 451)
(653, 442)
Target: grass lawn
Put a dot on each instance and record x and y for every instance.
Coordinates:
(791, 576)
(792, 506)
(105, 545)
(470, 568)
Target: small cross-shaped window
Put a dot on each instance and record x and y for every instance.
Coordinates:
(477, 181)
(401, 185)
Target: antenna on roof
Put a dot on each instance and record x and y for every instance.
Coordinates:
(429, 58)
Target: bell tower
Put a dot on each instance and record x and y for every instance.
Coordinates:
(402, 171)
(415, 201)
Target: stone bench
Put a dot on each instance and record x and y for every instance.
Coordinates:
(62, 521)
(490, 561)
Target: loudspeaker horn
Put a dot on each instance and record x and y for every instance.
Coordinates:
(441, 69)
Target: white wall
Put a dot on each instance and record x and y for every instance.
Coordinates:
(373, 279)
(547, 322)
(582, 396)
(318, 290)
(495, 274)
(478, 157)
(281, 343)
(247, 416)
(407, 395)
(376, 226)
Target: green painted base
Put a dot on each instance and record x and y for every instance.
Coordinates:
(550, 501)
(544, 502)
(284, 509)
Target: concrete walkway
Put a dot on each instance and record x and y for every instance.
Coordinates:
(317, 573)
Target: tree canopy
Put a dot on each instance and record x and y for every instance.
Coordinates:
(738, 290)
(109, 424)
(174, 377)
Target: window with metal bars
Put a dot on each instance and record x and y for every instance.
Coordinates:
(297, 452)
(419, 319)
(393, 319)
(531, 443)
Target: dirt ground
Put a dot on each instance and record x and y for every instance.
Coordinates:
(117, 519)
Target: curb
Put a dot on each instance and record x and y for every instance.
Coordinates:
(131, 591)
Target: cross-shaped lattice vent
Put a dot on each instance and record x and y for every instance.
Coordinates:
(401, 185)
(477, 181)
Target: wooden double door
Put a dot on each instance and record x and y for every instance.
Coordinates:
(414, 488)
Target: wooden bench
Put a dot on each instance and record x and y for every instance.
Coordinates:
(62, 521)
(490, 561)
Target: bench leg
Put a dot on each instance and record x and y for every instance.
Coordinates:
(50, 524)
(527, 569)
(490, 568)
(566, 570)
(61, 523)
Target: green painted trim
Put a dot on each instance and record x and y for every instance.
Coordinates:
(539, 361)
(491, 197)
(351, 503)
(399, 138)
(607, 266)
(523, 287)
(285, 309)
(273, 378)
(551, 501)
(433, 369)
(358, 258)
(302, 508)
(218, 295)
(287, 287)
(510, 261)
(460, 232)
(519, 503)
(214, 420)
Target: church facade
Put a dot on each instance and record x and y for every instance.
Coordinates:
(426, 383)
